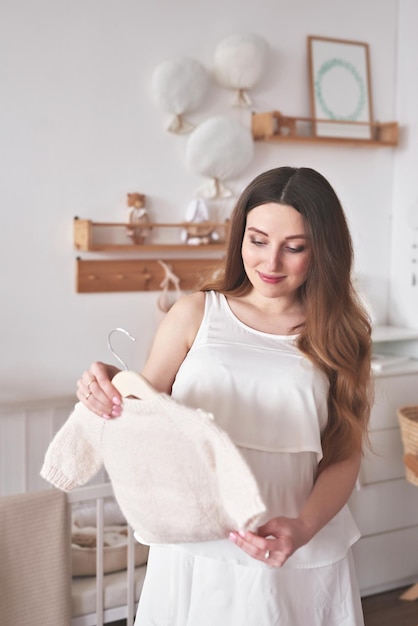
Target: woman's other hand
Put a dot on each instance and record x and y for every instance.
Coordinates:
(96, 392)
(275, 542)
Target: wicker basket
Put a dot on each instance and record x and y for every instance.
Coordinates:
(408, 421)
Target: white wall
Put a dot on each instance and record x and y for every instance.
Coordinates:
(404, 292)
(79, 129)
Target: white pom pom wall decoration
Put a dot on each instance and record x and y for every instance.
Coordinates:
(179, 86)
(220, 148)
(239, 62)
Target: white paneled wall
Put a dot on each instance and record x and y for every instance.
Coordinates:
(26, 429)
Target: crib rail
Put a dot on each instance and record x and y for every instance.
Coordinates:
(99, 493)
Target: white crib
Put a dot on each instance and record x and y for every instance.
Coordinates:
(104, 598)
(26, 429)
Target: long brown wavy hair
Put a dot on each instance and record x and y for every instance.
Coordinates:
(336, 334)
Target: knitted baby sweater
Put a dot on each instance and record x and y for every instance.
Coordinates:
(176, 475)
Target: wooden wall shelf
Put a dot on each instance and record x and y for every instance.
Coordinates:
(92, 237)
(274, 127)
(117, 275)
(196, 264)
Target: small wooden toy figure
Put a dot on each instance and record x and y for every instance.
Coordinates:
(137, 217)
(198, 230)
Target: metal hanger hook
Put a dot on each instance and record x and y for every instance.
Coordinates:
(109, 343)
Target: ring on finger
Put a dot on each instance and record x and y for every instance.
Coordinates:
(88, 395)
(267, 554)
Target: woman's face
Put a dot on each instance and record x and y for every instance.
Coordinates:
(275, 250)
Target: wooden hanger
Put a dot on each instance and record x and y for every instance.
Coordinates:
(130, 383)
(127, 382)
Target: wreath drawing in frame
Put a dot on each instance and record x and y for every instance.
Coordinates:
(340, 91)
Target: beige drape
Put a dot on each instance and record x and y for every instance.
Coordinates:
(35, 575)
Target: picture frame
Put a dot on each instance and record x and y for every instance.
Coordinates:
(341, 99)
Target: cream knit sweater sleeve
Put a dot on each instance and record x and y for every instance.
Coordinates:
(74, 455)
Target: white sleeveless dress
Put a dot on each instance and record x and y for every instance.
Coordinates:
(273, 403)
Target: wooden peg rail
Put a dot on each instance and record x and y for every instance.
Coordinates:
(96, 276)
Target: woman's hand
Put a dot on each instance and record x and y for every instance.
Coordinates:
(275, 542)
(280, 537)
(96, 392)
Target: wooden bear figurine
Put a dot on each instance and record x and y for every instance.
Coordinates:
(138, 218)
